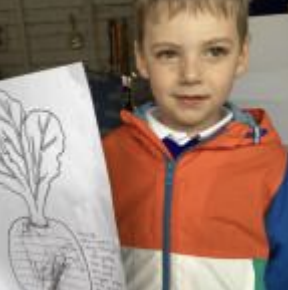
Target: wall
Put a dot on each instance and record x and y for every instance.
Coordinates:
(37, 34)
(266, 84)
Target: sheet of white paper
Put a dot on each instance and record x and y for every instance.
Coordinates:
(266, 84)
(57, 226)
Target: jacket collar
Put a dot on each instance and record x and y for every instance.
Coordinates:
(248, 127)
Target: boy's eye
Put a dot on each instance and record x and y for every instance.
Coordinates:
(217, 51)
(167, 54)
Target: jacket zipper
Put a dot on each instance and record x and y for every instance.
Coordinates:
(166, 243)
(166, 230)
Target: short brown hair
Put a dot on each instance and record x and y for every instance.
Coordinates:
(151, 8)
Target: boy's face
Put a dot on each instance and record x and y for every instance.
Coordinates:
(191, 61)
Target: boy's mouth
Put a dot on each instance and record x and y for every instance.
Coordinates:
(192, 99)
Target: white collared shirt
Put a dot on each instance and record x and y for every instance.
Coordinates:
(179, 137)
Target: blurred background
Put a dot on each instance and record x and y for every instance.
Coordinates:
(41, 34)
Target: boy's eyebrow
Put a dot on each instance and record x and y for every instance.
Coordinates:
(164, 44)
(219, 40)
(224, 40)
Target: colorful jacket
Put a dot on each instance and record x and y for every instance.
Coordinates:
(215, 218)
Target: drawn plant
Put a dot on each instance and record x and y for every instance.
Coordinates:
(44, 252)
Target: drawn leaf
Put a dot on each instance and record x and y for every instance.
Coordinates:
(45, 139)
(13, 172)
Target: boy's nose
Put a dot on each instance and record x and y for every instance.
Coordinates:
(190, 70)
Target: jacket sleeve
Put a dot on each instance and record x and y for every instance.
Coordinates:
(276, 273)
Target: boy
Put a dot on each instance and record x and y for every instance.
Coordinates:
(200, 189)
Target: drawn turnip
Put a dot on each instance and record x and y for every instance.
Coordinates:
(44, 253)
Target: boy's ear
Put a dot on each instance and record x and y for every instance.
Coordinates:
(140, 61)
(243, 60)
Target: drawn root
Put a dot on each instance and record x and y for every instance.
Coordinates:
(47, 258)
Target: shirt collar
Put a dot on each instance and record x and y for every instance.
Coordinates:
(179, 137)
